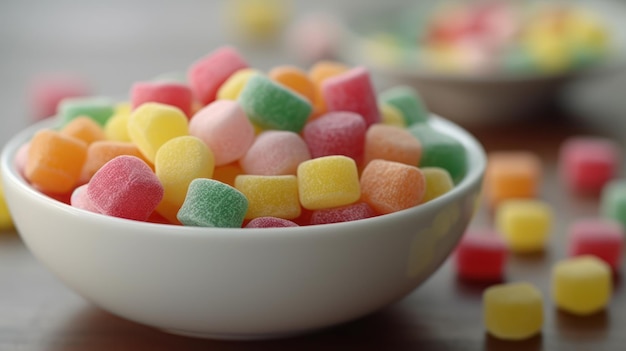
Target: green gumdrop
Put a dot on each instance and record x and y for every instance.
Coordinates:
(408, 101)
(100, 109)
(210, 203)
(440, 150)
(270, 105)
(613, 201)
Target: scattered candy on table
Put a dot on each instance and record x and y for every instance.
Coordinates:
(512, 175)
(613, 201)
(513, 311)
(481, 256)
(581, 285)
(525, 224)
(600, 237)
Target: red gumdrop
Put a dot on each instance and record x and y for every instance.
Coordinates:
(336, 133)
(480, 256)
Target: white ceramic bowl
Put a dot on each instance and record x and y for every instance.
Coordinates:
(473, 98)
(242, 283)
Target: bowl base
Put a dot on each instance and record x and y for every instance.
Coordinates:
(237, 337)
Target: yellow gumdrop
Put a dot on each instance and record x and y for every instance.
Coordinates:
(438, 182)
(329, 181)
(116, 127)
(581, 285)
(258, 19)
(550, 52)
(153, 124)
(525, 224)
(178, 162)
(5, 216)
(270, 196)
(513, 311)
(232, 87)
(391, 115)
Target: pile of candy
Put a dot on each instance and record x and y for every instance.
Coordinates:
(238, 147)
(494, 36)
(581, 283)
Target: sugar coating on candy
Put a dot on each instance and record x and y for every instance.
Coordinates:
(169, 93)
(392, 144)
(336, 133)
(55, 161)
(79, 199)
(438, 182)
(613, 201)
(100, 109)
(103, 151)
(85, 129)
(225, 129)
(270, 105)
(5, 216)
(480, 256)
(270, 196)
(389, 186)
(270, 222)
(210, 203)
(319, 72)
(586, 164)
(177, 163)
(116, 127)
(352, 91)
(513, 311)
(600, 237)
(233, 86)
(329, 181)
(208, 73)
(346, 213)
(407, 100)
(391, 115)
(512, 175)
(125, 187)
(152, 124)
(295, 79)
(581, 285)
(440, 150)
(275, 152)
(525, 224)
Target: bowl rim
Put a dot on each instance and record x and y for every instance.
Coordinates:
(11, 177)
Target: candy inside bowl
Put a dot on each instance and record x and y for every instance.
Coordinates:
(491, 61)
(242, 283)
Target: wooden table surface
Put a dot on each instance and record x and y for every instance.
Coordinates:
(119, 42)
(38, 313)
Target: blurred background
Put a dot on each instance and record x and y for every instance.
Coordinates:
(53, 48)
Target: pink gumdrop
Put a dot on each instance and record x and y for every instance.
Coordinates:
(79, 199)
(480, 256)
(603, 238)
(352, 91)
(588, 163)
(46, 91)
(173, 94)
(125, 187)
(348, 213)
(270, 222)
(336, 133)
(21, 158)
(275, 152)
(225, 129)
(210, 72)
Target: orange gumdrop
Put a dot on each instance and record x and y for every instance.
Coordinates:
(389, 186)
(227, 173)
(85, 129)
(511, 174)
(391, 143)
(319, 72)
(103, 151)
(55, 161)
(294, 79)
